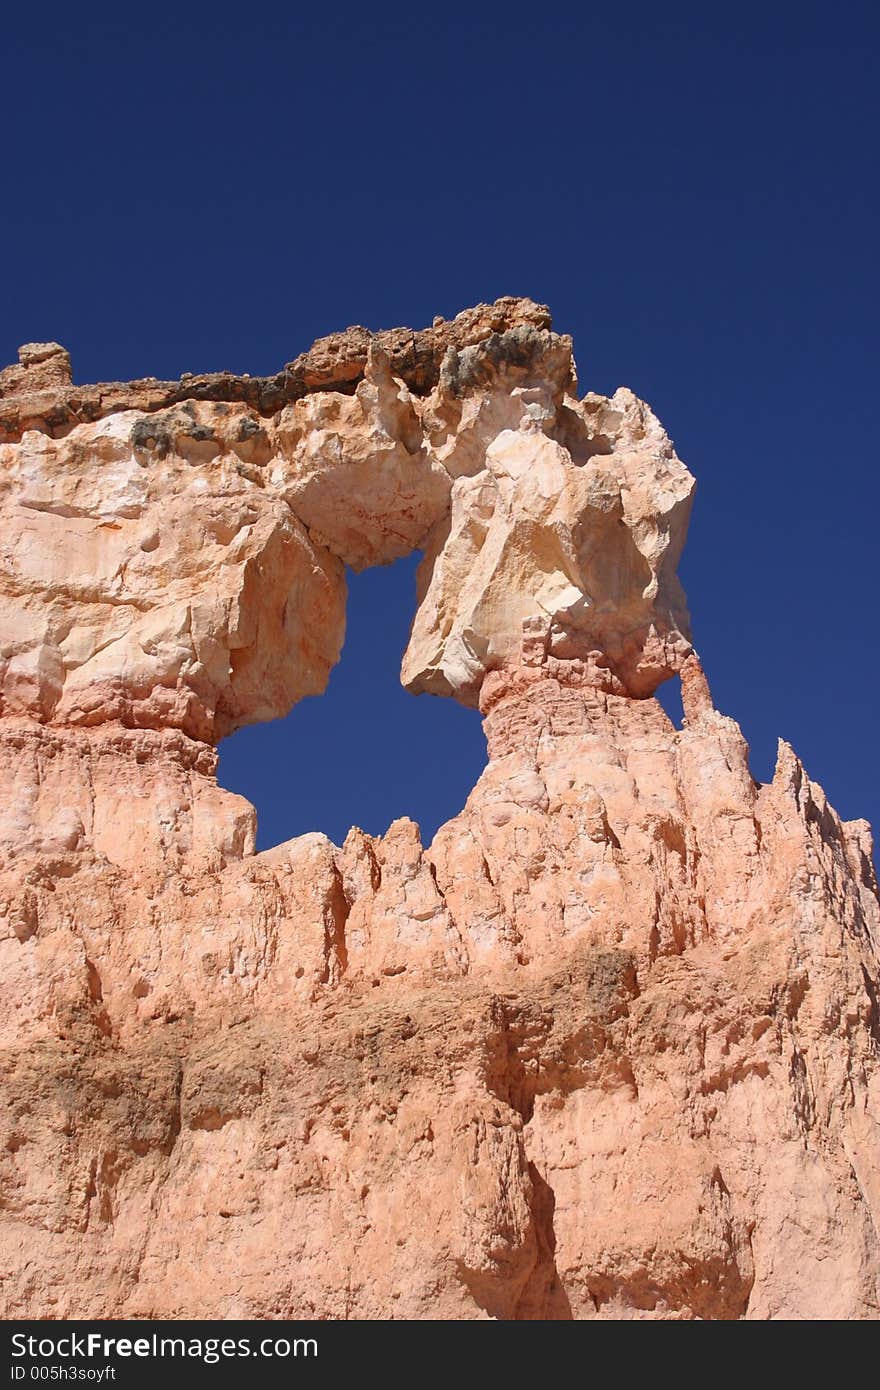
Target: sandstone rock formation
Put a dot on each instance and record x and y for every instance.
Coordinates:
(607, 1048)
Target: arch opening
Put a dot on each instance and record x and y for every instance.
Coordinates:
(366, 751)
(668, 695)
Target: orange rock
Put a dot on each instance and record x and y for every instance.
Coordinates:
(607, 1048)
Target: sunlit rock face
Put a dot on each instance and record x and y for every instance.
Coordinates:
(566, 522)
(177, 561)
(607, 1048)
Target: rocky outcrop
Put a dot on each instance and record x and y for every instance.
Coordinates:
(607, 1048)
(178, 562)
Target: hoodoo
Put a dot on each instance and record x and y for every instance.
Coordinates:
(608, 1047)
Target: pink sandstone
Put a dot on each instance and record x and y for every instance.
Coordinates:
(607, 1048)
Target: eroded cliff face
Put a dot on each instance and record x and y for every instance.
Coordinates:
(607, 1048)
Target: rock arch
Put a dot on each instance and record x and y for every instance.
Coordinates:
(606, 1048)
(175, 552)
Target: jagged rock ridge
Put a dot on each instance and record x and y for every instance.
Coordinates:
(608, 1047)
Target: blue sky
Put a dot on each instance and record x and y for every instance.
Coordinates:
(691, 187)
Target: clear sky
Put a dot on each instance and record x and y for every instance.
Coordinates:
(691, 187)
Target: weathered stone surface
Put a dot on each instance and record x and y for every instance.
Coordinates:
(182, 567)
(511, 329)
(40, 367)
(149, 579)
(609, 1047)
(356, 469)
(574, 547)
